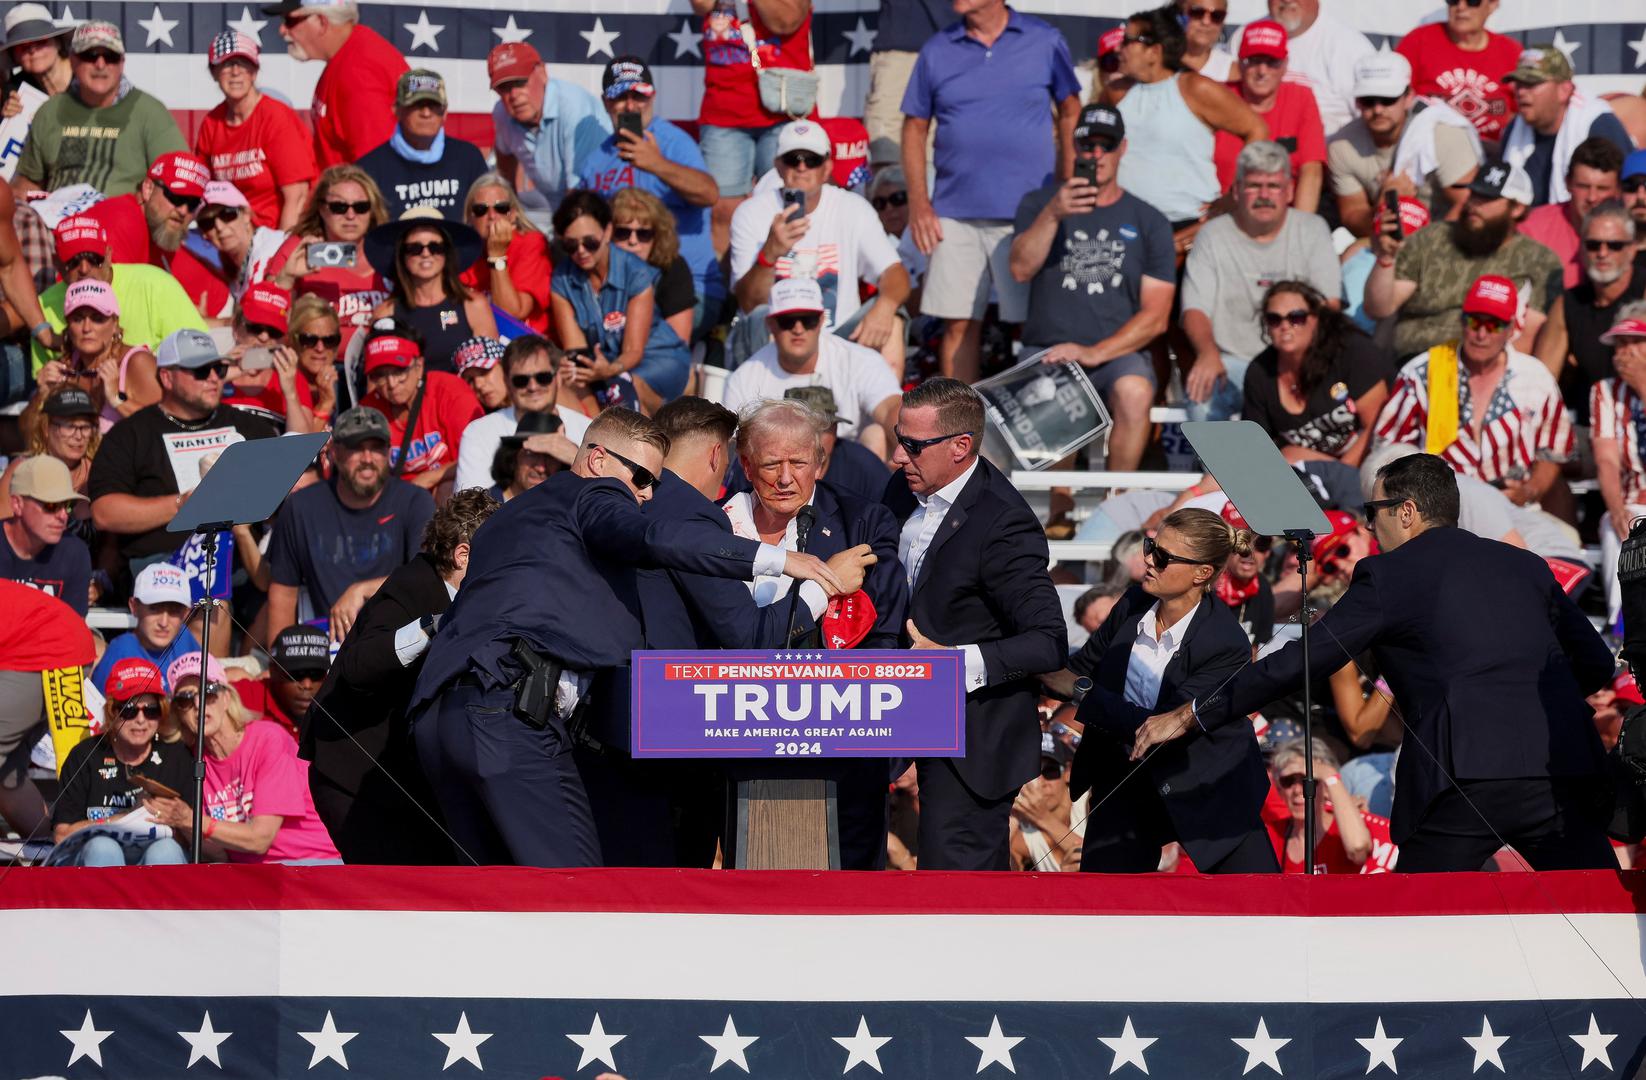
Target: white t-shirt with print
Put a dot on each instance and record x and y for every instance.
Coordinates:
(858, 378)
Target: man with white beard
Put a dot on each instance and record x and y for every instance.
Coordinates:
(1323, 52)
(1570, 341)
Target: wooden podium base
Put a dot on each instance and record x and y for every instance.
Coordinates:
(784, 824)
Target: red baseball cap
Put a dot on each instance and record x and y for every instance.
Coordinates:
(1493, 295)
(1264, 38)
(1343, 524)
(850, 151)
(266, 304)
(848, 620)
(78, 235)
(180, 173)
(1627, 690)
(391, 350)
(1234, 517)
(1624, 328)
(131, 677)
(1110, 41)
(510, 61)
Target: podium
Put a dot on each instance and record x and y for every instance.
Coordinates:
(782, 823)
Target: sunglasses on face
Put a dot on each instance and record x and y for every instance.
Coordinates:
(480, 209)
(802, 159)
(53, 507)
(263, 330)
(1138, 39)
(315, 341)
(426, 247)
(1262, 545)
(191, 203)
(1273, 319)
(295, 20)
(150, 710)
(1592, 246)
(1484, 323)
(623, 234)
(226, 216)
(541, 378)
(914, 447)
(896, 198)
(105, 55)
(188, 699)
(220, 368)
(1289, 781)
(805, 320)
(1370, 510)
(1366, 104)
(570, 244)
(1261, 61)
(1634, 184)
(1212, 15)
(93, 259)
(339, 208)
(1097, 146)
(1471, 3)
(1161, 558)
(643, 478)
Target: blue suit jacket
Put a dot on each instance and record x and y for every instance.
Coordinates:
(555, 567)
(1488, 658)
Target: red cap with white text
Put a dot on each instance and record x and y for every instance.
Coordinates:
(1493, 295)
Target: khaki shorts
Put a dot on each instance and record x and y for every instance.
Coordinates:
(889, 73)
(972, 256)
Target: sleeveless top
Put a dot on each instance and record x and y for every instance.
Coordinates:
(444, 327)
(1168, 162)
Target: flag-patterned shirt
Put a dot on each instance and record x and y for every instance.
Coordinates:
(1525, 420)
(1617, 412)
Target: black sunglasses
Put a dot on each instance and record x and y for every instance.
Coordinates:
(1163, 558)
(623, 234)
(208, 220)
(541, 378)
(314, 341)
(296, 19)
(191, 203)
(896, 198)
(1291, 780)
(642, 476)
(219, 368)
(1634, 184)
(64, 507)
(1273, 319)
(806, 320)
(796, 159)
(481, 209)
(131, 709)
(1100, 144)
(93, 259)
(1262, 545)
(430, 247)
(187, 699)
(108, 56)
(1217, 17)
(1368, 511)
(1138, 39)
(338, 207)
(264, 330)
(1374, 102)
(1592, 246)
(914, 447)
(590, 244)
(1471, 3)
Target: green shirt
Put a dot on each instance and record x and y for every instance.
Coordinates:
(1443, 275)
(110, 149)
(152, 305)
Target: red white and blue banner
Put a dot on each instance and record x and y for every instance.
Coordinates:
(254, 972)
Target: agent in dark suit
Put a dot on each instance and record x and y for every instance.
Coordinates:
(551, 584)
(1167, 641)
(1490, 663)
(975, 557)
(368, 786)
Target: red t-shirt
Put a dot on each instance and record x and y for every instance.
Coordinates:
(448, 407)
(731, 92)
(1470, 82)
(354, 294)
(1294, 123)
(353, 108)
(271, 149)
(1330, 857)
(122, 218)
(529, 269)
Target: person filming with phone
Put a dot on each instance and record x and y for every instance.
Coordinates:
(1098, 302)
(331, 261)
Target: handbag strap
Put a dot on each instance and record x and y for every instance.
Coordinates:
(745, 25)
(411, 426)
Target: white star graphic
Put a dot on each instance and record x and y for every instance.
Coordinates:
(596, 1045)
(996, 1047)
(686, 41)
(1261, 1049)
(252, 28)
(510, 32)
(1567, 47)
(1128, 1048)
(328, 1043)
(1594, 1043)
(1486, 1046)
(158, 28)
(600, 39)
(203, 1044)
(862, 38)
(1639, 46)
(68, 18)
(862, 1048)
(88, 1041)
(424, 32)
(1380, 1049)
(462, 1044)
(729, 1047)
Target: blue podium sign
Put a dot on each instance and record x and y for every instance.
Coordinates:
(816, 703)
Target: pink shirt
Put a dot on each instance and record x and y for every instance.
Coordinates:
(265, 776)
(1549, 226)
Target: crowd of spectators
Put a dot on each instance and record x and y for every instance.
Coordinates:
(1436, 247)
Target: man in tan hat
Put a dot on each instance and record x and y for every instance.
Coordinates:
(1554, 118)
(39, 549)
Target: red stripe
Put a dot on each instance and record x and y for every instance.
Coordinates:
(511, 889)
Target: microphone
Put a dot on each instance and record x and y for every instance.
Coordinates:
(803, 522)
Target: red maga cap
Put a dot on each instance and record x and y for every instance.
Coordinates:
(1264, 38)
(391, 351)
(180, 173)
(1493, 295)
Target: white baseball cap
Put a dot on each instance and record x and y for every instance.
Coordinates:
(804, 135)
(795, 294)
(161, 583)
(1383, 74)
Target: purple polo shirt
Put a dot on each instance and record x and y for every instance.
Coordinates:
(995, 138)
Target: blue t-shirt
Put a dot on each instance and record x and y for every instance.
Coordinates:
(605, 172)
(603, 318)
(323, 547)
(127, 646)
(905, 25)
(62, 570)
(993, 108)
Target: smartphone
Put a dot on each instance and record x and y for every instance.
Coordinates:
(326, 254)
(795, 198)
(1087, 171)
(630, 122)
(1391, 214)
(582, 357)
(257, 358)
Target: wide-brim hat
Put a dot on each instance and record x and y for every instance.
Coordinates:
(383, 242)
(30, 22)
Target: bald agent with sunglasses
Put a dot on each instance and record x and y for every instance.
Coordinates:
(975, 559)
(549, 600)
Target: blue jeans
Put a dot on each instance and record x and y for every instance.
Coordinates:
(735, 156)
(1226, 400)
(106, 851)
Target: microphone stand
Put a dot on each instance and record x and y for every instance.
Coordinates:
(210, 532)
(802, 536)
(1304, 539)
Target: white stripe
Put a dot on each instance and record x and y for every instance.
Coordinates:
(828, 958)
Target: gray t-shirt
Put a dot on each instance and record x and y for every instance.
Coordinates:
(1228, 272)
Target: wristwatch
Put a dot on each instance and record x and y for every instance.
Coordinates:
(428, 624)
(1082, 687)
(499, 263)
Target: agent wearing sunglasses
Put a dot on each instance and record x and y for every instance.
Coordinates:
(554, 572)
(428, 255)
(772, 240)
(1478, 57)
(515, 269)
(1167, 641)
(139, 738)
(1513, 756)
(423, 164)
(1591, 179)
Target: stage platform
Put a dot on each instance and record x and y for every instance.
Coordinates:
(254, 972)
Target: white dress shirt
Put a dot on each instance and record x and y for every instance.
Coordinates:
(1151, 653)
(916, 539)
(770, 583)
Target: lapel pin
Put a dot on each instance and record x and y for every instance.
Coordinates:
(826, 531)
